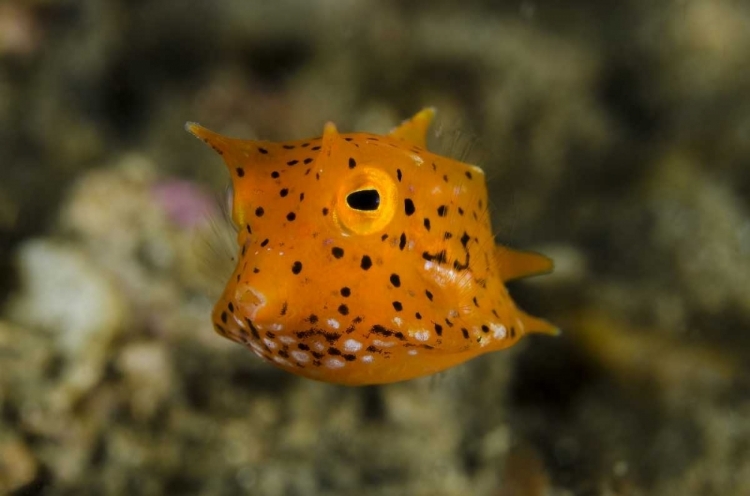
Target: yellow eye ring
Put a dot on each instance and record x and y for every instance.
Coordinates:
(366, 201)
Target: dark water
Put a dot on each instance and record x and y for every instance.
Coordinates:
(616, 139)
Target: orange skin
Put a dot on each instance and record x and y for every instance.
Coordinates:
(366, 259)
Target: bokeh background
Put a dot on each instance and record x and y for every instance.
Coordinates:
(616, 139)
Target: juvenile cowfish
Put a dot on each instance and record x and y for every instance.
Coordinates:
(365, 259)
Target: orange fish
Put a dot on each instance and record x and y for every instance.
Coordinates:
(366, 259)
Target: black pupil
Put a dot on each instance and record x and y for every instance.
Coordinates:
(367, 199)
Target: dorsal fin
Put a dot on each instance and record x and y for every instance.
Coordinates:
(515, 264)
(414, 130)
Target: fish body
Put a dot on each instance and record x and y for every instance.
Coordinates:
(365, 259)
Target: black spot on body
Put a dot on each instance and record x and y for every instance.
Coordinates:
(230, 306)
(438, 329)
(409, 206)
(397, 306)
(485, 329)
(337, 252)
(429, 294)
(352, 163)
(465, 239)
(325, 211)
(440, 257)
(275, 174)
(346, 292)
(465, 332)
(240, 171)
(313, 319)
(224, 317)
(288, 147)
(303, 347)
(283, 192)
(307, 161)
(264, 243)
(297, 267)
(343, 309)
(263, 151)
(402, 242)
(418, 316)
(442, 210)
(395, 280)
(366, 262)
(334, 351)
(259, 212)
(349, 357)
(398, 174)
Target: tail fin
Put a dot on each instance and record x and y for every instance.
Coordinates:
(515, 264)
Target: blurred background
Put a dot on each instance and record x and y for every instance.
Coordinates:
(615, 137)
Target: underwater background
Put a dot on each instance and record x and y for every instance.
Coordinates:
(616, 139)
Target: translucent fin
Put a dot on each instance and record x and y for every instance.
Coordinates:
(515, 264)
(414, 130)
(535, 325)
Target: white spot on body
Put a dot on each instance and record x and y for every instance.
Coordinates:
(441, 275)
(334, 362)
(422, 335)
(318, 346)
(498, 330)
(352, 345)
(476, 169)
(258, 352)
(383, 344)
(333, 323)
(276, 327)
(457, 190)
(287, 340)
(282, 361)
(437, 190)
(300, 356)
(417, 159)
(412, 352)
(397, 321)
(367, 358)
(269, 343)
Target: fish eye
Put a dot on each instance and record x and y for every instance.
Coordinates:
(365, 200)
